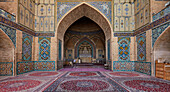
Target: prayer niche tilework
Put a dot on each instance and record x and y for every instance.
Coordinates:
(10, 32)
(44, 48)
(6, 68)
(104, 7)
(64, 7)
(26, 47)
(141, 47)
(157, 32)
(124, 48)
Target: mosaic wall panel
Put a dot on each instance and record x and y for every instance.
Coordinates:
(108, 49)
(44, 48)
(143, 67)
(44, 15)
(161, 13)
(64, 7)
(26, 47)
(26, 13)
(6, 68)
(104, 7)
(124, 19)
(141, 13)
(7, 15)
(124, 48)
(44, 65)
(70, 54)
(157, 32)
(24, 67)
(10, 32)
(141, 47)
(100, 53)
(59, 64)
(138, 66)
(59, 49)
(123, 65)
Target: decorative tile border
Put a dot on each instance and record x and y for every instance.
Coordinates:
(123, 65)
(143, 67)
(6, 68)
(10, 32)
(59, 64)
(28, 66)
(7, 15)
(161, 13)
(138, 66)
(104, 7)
(25, 66)
(158, 31)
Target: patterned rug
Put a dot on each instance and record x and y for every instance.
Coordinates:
(83, 81)
(86, 83)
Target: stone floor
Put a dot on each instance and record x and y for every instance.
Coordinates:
(83, 80)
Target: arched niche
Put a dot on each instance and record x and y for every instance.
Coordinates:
(162, 46)
(7, 50)
(78, 12)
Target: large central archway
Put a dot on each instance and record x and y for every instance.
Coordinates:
(78, 12)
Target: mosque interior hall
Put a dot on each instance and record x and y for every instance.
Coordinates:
(84, 45)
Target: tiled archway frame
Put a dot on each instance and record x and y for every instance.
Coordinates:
(79, 11)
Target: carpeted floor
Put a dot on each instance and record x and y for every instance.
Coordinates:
(83, 80)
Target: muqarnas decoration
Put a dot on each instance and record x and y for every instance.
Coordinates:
(44, 48)
(26, 47)
(124, 48)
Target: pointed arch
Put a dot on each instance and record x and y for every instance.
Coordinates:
(85, 39)
(83, 9)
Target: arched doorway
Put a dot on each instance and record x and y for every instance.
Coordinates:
(78, 12)
(6, 55)
(161, 48)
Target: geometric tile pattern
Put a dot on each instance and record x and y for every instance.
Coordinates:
(44, 48)
(64, 7)
(7, 15)
(104, 7)
(141, 47)
(44, 15)
(138, 66)
(124, 48)
(28, 66)
(124, 19)
(26, 47)
(10, 32)
(44, 65)
(26, 13)
(123, 65)
(141, 13)
(161, 13)
(157, 32)
(143, 67)
(25, 66)
(6, 68)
